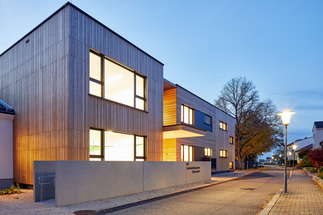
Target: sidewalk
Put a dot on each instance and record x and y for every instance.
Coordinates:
(303, 196)
(23, 203)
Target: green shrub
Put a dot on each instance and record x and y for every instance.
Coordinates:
(306, 162)
(311, 169)
(11, 190)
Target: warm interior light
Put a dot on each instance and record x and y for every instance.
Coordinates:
(294, 146)
(286, 115)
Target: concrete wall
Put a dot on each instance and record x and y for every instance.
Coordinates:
(82, 181)
(44, 174)
(6, 150)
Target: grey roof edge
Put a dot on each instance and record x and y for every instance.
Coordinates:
(75, 7)
(177, 85)
(5, 108)
(318, 124)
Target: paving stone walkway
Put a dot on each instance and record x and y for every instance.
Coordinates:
(303, 196)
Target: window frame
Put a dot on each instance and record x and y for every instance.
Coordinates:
(190, 153)
(223, 153)
(223, 126)
(102, 145)
(231, 140)
(102, 83)
(190, 110)
(208, 152)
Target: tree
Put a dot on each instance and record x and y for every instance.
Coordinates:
(256, 123)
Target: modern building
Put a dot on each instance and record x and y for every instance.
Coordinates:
(7, 115)
(318, 135)
(196, 130)
(82, 92)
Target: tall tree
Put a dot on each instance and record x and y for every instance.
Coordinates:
(256, 123)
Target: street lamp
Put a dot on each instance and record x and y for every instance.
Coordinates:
(294, 148)
(286, 115)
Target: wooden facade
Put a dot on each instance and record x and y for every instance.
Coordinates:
(216, 139)
(45, 77)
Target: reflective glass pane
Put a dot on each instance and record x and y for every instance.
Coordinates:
(119, 84)
(182, 153)
(118, 147)
(140, 159)
(95, 66)
(182, 113)
(140, 86)
(140, 144)
(95, 142)
(140, 104)
(95, 89)
(95, 159)
(191, 116)
(191, 153)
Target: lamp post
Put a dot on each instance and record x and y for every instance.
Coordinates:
(286, 115)
(294, 148)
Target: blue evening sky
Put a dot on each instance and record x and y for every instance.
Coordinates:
(276, 44)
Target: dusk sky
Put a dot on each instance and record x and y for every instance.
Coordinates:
(276, 44)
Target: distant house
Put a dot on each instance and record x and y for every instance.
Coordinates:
(300, 145)
(318, 135)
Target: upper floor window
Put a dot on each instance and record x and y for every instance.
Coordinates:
(223, 153)
(208, 120)
(113, 81)
(231, 140)
(223, 126)
(186, 114)
(208, 152)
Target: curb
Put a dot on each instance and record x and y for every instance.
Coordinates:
(121, 207)
(273, 201)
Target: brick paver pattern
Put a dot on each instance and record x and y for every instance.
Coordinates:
(303, 196)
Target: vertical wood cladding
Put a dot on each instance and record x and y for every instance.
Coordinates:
(47, 82)
(34, 80)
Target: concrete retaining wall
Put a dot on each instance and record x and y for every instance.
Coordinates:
(82, 181)
(318, 181)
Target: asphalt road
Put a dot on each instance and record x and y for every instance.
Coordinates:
(246, 195)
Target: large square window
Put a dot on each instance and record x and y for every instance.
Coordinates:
(113, 81)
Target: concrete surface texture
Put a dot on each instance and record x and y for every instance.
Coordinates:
(82, 181)
(303, 196)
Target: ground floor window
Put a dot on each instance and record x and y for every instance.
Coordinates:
(230, 165)
(114, 146)
(208, 152)
(186, 153)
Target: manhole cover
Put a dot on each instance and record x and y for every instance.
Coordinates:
(85, 212)
(247, 188)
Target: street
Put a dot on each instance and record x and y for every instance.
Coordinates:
(246, 195)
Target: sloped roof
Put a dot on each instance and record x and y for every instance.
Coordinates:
(306, 147)
(318, 124)
(5, 108)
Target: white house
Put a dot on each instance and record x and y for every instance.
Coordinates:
(318, 135)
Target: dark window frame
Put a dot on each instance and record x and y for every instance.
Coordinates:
(225, 153)
(102, 145)
(182, 114)
(223, 125)
(101, 82)
(231, 138)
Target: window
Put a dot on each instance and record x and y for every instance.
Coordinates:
(113, 146)
(223, 153)
(223, 126)
(186, 114)
(231, 140)
(230, 165)
(95, 75)
(208, 152)
(208, 120)
(186, 153)
(115, 82)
